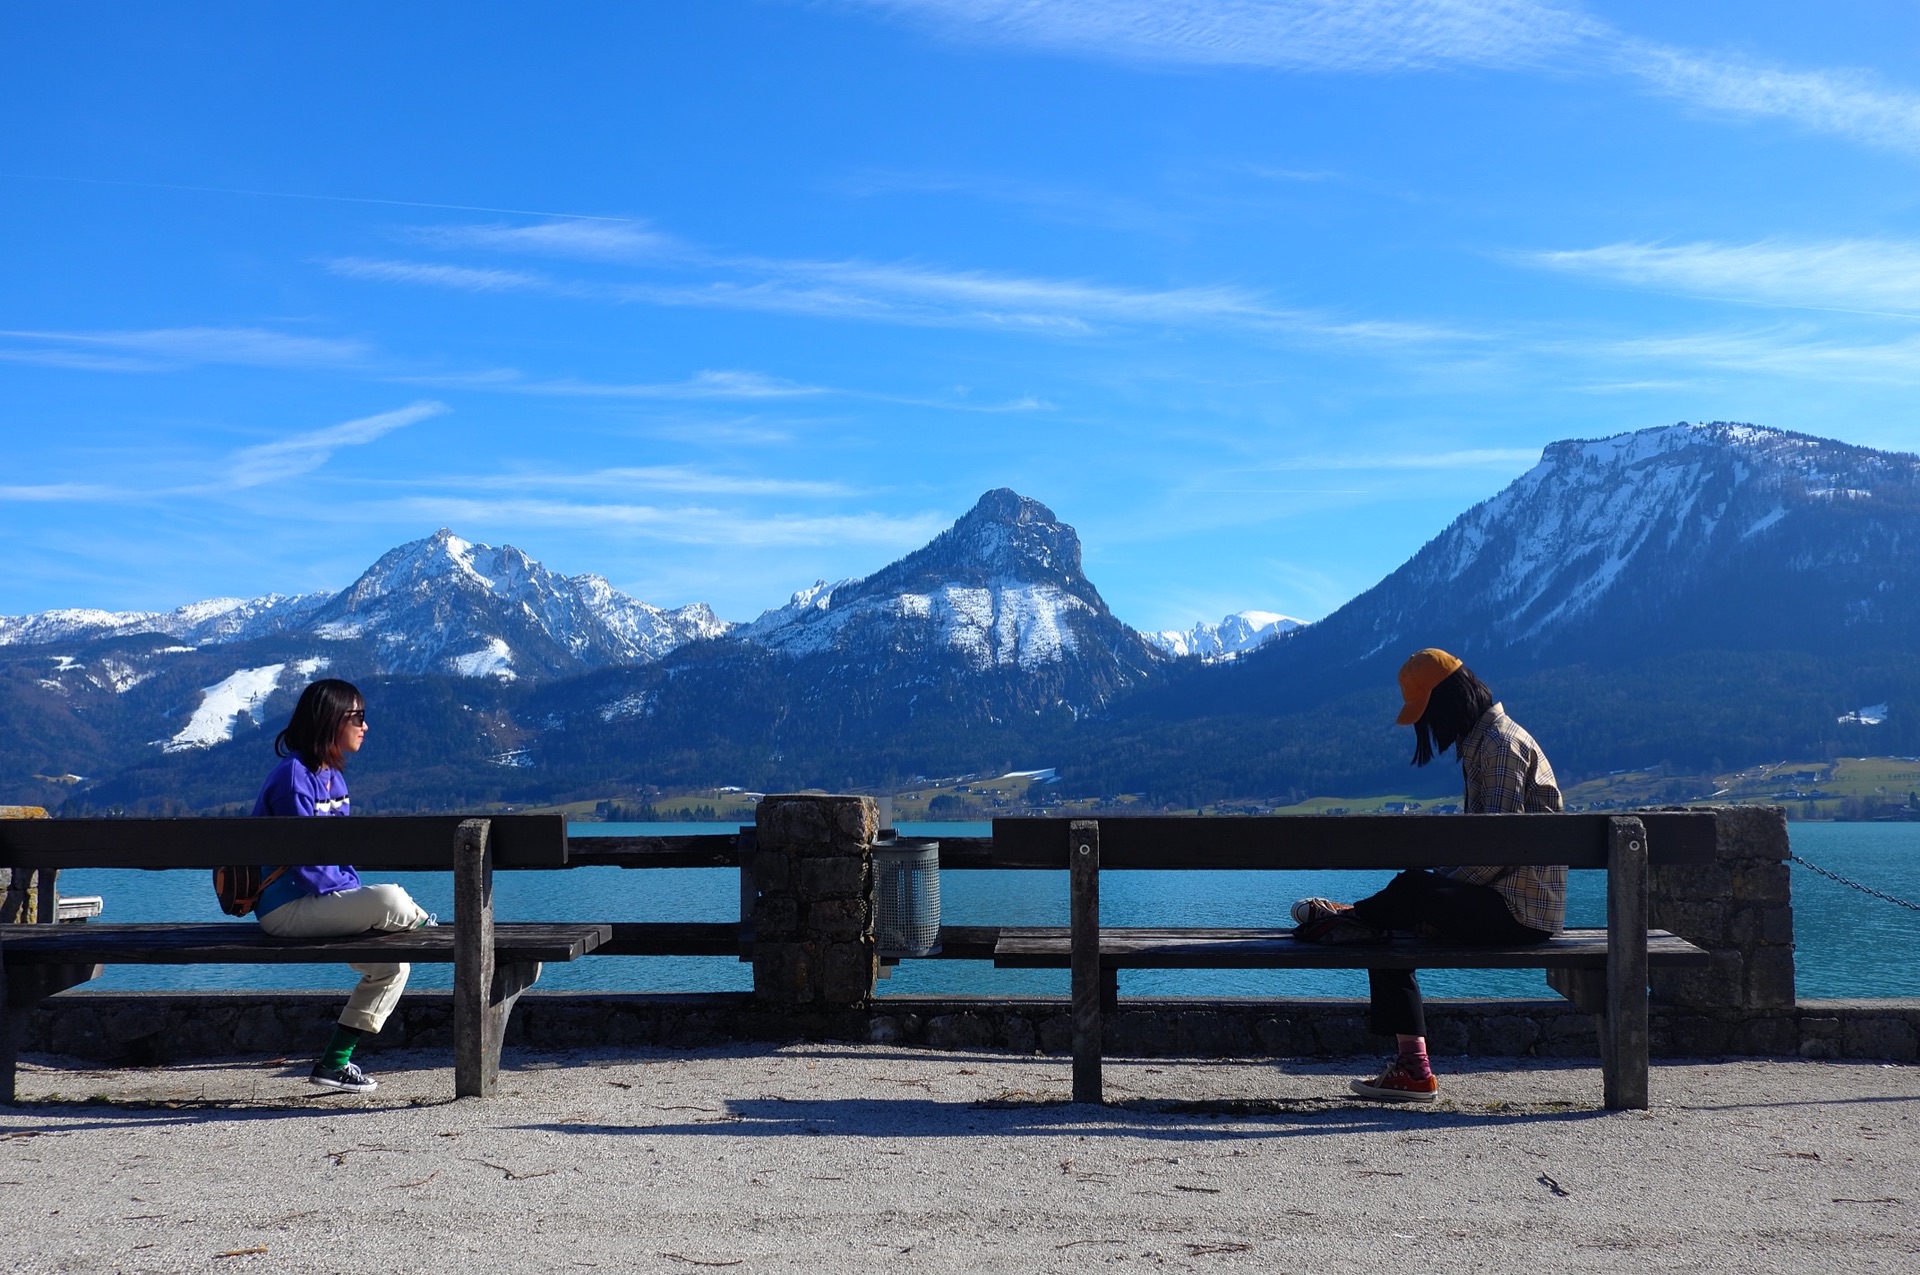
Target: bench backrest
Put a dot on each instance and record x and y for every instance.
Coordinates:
(1352, 841)
(393, 843)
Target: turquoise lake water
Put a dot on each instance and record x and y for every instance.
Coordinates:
(1847, 943)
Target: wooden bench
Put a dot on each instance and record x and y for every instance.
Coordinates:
(492, 963)
(1602, 971)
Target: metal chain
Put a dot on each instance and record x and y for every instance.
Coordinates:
(1864, 889)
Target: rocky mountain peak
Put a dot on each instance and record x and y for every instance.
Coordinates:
(1005, 537)
(1000, 588)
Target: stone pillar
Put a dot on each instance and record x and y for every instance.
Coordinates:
(813, 919)
(1740, 908)
(20, 899)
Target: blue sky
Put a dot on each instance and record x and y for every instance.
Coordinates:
(717, 298)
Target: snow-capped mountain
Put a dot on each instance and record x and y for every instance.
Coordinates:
(437, 605)
(197, 623)
(643, 631)
(1690, 597)
(1684, 536)
(1001, 589)
(444, 604)
(988, 631)
(1233, 637)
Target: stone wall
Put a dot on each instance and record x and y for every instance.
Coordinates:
(813, 918)
(144, 1028)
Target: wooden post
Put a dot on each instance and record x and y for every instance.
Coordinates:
(476, 1045)
(1083, 857)
(1623, 1028)
(747, 845)
(49, 908)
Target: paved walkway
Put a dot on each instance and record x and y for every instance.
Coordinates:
(866, 1158)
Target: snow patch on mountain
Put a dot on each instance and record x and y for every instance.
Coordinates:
(1871, 715)
(122, 677)
(495, 659)
(1008, 623)
(244, 692)
(1003, 622)
(641, 705)
(1233, 637)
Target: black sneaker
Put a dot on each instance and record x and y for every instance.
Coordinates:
(347, 1076)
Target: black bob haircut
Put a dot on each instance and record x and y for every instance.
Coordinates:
(314, 730)
(1460, 700)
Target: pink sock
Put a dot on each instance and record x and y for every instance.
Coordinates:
(1413, 1056)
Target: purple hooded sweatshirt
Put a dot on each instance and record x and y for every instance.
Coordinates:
(292, 789)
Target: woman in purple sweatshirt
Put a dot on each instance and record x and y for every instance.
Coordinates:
(327, 900)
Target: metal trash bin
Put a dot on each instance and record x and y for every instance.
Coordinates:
(906, 884)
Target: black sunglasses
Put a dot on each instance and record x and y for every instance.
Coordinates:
(357, 715)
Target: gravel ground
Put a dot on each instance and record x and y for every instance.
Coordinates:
(828, 1158)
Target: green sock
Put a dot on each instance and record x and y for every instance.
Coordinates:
(340, 1048)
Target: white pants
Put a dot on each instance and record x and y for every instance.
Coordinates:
(371, 907)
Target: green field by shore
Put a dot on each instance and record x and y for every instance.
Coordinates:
(1846, 788)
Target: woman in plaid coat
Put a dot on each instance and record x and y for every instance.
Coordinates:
(1504, 772)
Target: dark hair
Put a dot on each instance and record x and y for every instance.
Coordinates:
(314, 730)
(1456, 704)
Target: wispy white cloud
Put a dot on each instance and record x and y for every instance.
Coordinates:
(463, 278)
(82, 360)
(1320, 35)
(1790, 351)
(918, 295)
(711, 384)
(1412, 35)
(57, 493)
(596, 240)
(257, 347)
(1843, 103)
(1017, 299)
(300, 453)
(1864, 275)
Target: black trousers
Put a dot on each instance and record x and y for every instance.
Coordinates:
(1474, 915)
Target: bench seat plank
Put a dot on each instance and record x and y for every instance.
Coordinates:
(244, 943)
(1048, 947)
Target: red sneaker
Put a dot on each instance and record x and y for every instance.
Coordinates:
(1398, 1084)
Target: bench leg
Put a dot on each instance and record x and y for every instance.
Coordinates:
(13, 1029)
(1624, 1044)
(21, 991)
(476, 1036)
(1083, 857)
(509, 980)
